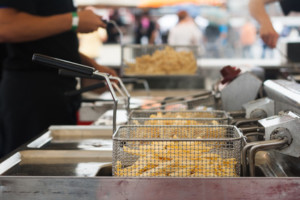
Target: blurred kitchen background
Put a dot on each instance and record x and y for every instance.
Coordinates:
(228, 34)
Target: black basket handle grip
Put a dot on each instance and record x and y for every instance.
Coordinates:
(62, 64)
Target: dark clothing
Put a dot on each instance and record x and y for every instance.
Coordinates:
(64, 46)
(212, 32)
(113, 35)
(290, 5)
(144, 31)
(31, 95)
(3, 54)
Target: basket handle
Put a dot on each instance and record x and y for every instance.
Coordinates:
(62, 64)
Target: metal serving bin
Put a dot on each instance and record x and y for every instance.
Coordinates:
(177, 151)
(130, 52)
(213, 117)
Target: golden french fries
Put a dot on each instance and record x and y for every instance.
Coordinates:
(176, 159)
(177, 151)
(163, 62)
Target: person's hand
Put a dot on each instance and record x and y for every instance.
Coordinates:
(269, 35)
(89, 21)
(104, 69)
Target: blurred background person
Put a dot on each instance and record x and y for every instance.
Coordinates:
(258, 11)
(212, 40)
(248, 38)
(113, 35)
(145, 29)
(186, 32)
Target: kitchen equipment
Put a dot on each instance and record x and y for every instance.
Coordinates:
(217, 114)
(87, 184)
(186, 102)
(281, 134)
(286, 126)
(179, 151)
(81, 71)
(74, 138)
(260, 108)
(130, 52)
(177, 121)
(241, 90)
(162, 117)
(55, 163)
(286, 95)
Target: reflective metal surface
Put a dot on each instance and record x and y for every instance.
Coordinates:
(74, 138)
(289, 121)
(55, 163)
(286, 94)
(266, 106)
(240, 91)
(107, 188)
(275, 164)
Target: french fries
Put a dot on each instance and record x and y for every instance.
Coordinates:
(176, 159)
(163, 62)
(183, 115)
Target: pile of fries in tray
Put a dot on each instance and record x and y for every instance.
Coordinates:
(163, 62)
(176, 152)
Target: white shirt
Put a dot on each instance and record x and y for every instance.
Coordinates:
(185, 33)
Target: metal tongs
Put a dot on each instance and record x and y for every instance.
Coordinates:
(79, 70)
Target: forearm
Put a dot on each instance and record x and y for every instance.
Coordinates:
(22, 27)
(85, 60)
(92, 63)
(258, 11)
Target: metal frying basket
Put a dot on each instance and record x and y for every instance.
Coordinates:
(176, 121)
(177, 151)
(215, 117)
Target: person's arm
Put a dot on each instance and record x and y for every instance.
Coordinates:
(267, 31)
(16, 26)
(92, 63)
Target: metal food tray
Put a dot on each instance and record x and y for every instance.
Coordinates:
(130, 52)
(74, 138)
(55, 163)
(177, 151)
(215, 115)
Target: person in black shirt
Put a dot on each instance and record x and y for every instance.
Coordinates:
(145, 30)
(31, 95)
(267, 31)
(3, 55)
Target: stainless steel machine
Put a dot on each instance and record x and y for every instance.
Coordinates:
(68, 162)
